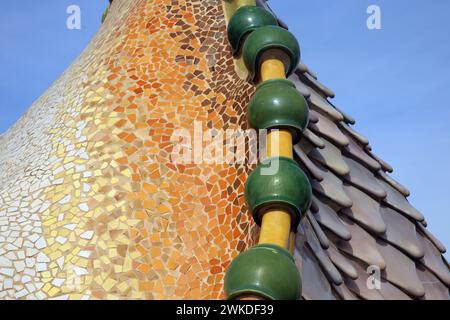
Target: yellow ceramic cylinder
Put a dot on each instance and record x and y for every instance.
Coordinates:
(272, 69)
(279, 144)
(275, 228)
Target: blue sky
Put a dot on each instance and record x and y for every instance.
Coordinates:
(394, 81)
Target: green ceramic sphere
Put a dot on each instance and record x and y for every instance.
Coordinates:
(269, 38)
(277, 104)
(278, 184)
(267, 271)
(245, 20)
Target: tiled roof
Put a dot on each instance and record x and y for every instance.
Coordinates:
(360, 216)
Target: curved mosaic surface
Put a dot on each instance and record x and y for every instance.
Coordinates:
(92, 207)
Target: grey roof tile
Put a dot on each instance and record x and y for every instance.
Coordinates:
(400, 270)
(322, 257)
(364, 179)
(362, 245)
(332, 188)
(432, 238)
(314, 207)
(384, 165)
(344, 292)
(282, 24)
(313, 138)
(400, 188)
(321, 236)
(303, 68)
(356, 135)
(330, 157)
(310, 166)
(365, 210)
(301, 87)
(317, 287)
(342, 263)
(319, 86)
(347, 118)
(355, 151)
(391, 292)
(434, 288)
(328, 218)
(319, 103)
(397, 201)
(327, 128)
(433, 260)
(401, 232)
(313, 116)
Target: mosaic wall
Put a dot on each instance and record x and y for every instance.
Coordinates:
(91, 205)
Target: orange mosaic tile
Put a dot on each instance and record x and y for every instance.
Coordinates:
(119, 218)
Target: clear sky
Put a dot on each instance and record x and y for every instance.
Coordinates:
(395, 81)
